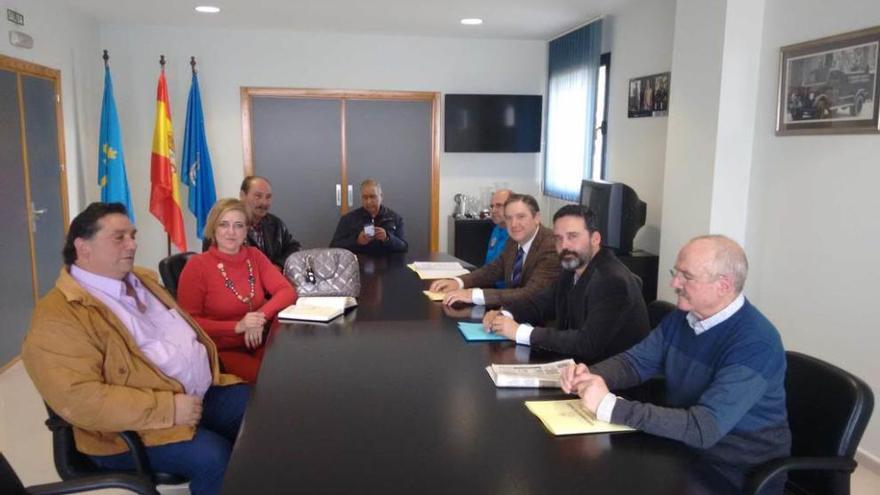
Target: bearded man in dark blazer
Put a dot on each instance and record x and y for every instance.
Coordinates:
(595, 308)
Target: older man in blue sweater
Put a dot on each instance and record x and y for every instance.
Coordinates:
(722, 360)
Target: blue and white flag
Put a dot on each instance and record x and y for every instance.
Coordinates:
(196, 171)
(111, 161)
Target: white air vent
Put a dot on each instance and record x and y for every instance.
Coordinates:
(21, 40)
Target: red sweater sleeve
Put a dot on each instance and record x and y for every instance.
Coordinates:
(191, 297)
(282, 292)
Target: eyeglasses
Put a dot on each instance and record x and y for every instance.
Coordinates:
(688, 277)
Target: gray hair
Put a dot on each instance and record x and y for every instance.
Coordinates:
(371, 182)
(729, 259)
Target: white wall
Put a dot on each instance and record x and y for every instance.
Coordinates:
(692, 131)
(734, 146)
(639, 37)
(67, 41)
(813, 231)
(229, 59)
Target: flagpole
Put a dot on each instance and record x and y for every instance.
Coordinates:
(167, 235)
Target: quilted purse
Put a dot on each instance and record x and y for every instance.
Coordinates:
(324, 272)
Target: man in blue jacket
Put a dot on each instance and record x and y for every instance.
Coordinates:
(499, 235)
(723, 364)
(373, 228)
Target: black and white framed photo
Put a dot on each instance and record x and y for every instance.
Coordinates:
(829, 85)
(649, 96)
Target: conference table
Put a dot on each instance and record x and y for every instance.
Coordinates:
(389, 398)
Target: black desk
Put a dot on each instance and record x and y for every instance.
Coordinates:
(390, 399)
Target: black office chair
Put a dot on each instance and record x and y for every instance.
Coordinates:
(170, 268)
(657, 310)
(10, 484)
(72, 464)
(828, 410)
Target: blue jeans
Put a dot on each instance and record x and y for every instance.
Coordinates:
(203, 459)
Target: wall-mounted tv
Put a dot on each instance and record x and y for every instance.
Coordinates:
(493, 123)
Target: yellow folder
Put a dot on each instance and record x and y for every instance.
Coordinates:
(570, 417)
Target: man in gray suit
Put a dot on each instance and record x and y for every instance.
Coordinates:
(528, 263)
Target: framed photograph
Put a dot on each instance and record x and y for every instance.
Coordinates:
(649, 96)
(829, 85)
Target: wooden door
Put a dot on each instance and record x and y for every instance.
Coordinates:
(316, 159)
(390, 140)
(32, 192)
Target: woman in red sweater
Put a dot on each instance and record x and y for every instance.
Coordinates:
(225, 289)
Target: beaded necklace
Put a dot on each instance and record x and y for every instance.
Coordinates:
(252, 281)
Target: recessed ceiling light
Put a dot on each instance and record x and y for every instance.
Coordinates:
(207, 9)
(472, 21)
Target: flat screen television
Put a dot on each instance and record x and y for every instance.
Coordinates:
(493, 123)
(619, 212)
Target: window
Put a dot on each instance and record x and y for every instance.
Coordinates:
(600, 134)
(572, 90)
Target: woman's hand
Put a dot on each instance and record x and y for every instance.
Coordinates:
(253, 337)
(251, 320)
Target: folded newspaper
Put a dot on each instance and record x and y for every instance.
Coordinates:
(546, 375)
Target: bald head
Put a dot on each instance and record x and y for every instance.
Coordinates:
(724, 256)
(497, 207)
(709, 274)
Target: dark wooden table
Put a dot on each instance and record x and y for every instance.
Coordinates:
(390, 399)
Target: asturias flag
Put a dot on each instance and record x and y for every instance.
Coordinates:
(111, 161)
(196, 161)
(164, 191)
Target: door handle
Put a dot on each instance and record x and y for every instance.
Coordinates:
(35, 215)
(350, 200)
(338, 194)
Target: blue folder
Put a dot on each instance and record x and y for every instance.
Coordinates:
(473, 332)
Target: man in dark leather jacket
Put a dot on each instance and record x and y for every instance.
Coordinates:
(372, 229)
(267, 232)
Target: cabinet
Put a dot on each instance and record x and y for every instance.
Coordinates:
(470, 239)
(645, 265)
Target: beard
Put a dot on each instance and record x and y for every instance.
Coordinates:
(572, 260)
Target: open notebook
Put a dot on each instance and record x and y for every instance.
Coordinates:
(317, 308)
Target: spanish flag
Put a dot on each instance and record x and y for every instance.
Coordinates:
(165, 191)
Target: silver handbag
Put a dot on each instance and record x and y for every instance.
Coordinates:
(324, 272)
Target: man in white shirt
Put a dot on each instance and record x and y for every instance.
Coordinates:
(109, 350)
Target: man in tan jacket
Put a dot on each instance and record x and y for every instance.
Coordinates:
(109, 350)
(527, 264)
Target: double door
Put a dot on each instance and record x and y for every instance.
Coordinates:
(32, 193)
(317, 146)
